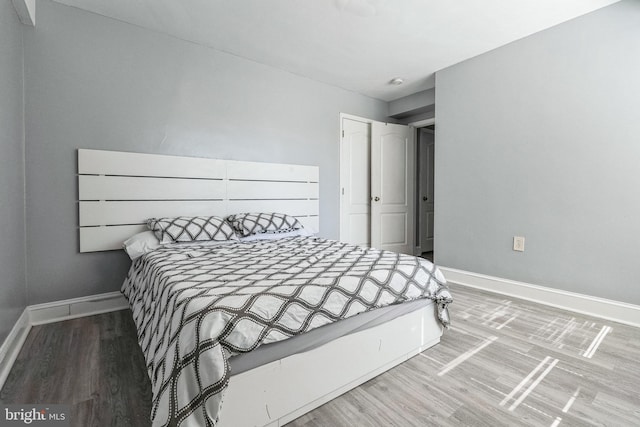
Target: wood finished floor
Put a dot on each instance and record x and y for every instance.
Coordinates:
(504, 362)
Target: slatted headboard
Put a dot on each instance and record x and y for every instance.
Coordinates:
(119, 191)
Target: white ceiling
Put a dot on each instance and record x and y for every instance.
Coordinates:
(357, 45)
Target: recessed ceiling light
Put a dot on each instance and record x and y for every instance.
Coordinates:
(396, 81)
(361, 8)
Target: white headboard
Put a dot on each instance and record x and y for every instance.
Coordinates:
(119, 191)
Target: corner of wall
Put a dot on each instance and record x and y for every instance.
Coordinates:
(26, 10)
(24, 163)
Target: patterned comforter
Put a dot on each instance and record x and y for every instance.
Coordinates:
(195, 305)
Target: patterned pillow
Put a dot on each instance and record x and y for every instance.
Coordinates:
(247, 224)
(191, 228)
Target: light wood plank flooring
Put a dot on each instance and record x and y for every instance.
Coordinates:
(504, 362)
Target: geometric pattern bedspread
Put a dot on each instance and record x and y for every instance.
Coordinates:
(196, 305)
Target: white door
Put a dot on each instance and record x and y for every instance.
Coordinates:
(425, 192)
(355, 173)
(392, 187)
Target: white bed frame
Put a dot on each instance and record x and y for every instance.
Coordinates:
(281, 391)
(119, 191)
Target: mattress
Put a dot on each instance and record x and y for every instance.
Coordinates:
(195, 305)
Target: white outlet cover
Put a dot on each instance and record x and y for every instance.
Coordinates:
(518, 243)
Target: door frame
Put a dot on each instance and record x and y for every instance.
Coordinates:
(421, 210)
(421, 124)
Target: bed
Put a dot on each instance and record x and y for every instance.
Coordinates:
(305, 318)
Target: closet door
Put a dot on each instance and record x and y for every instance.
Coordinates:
(392, 187)
(355, 182)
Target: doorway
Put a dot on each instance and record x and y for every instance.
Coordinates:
(425, 166)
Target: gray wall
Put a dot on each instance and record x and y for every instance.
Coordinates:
(98, 83)
(541, 138)
(12, 265)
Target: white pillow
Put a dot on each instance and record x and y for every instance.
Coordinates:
(140, 244)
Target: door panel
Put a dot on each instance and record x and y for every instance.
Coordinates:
(360, 230)
(392, 187)
(393, 178)
(355, 173)
(393, 229)
(360, 169)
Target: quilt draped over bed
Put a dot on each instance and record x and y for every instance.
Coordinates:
(195, 305)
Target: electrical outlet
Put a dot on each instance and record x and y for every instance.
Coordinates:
(518, 243)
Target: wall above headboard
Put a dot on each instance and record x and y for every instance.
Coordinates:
(118, 192)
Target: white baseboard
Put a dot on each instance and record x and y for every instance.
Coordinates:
(58, 311)
(50, 312)
(616, 311)
(12, 345)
